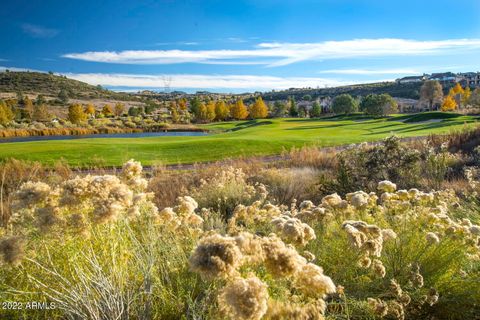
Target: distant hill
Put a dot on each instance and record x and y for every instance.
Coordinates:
(400, 90)
(50, 85)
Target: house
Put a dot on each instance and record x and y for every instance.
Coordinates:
(471, 79)
(412, 79)
(410, 105)
(326, 104)
(445, 77)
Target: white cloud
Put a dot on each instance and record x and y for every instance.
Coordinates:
(195, 81)
(280, 54)
(370, 72)
(37, 31)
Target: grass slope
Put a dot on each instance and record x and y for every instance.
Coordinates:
(243, 138)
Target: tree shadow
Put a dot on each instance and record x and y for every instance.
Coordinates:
(250, 124)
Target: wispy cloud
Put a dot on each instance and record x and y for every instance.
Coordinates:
(198, 81)
(370, 71)
(181, 43)
(236, 39)
(37, 31)
(3, 60)
(279, 54)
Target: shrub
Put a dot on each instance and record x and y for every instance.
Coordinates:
(361, 167)
(227, 189)
(344, 103)
(98, 248)
(378, 105)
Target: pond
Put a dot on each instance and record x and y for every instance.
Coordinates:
(110, 135)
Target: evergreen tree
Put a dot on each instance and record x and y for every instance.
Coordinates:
(63, 96)
(316, 110)
(293, 110)
(195, 107)
(40, 99)
(279, 109)
(134, 112)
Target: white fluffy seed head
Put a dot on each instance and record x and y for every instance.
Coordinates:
(387, 186)
(244, 299)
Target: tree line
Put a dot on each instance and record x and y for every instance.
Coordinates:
(203, 111)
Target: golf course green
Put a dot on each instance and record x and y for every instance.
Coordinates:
(235, 139)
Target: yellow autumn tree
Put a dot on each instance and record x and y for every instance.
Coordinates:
(210, 115)
(239, 111)
(466, 95)
(76, 114)
(107, 110)
(259, 109)
(182, 104)
(449, 104)
(119, 109)
(28, 106)
(174, 111)
(221, 110)
(457, 94)
(6, 114)
(202, 112)
(457, 89)
(90, 109)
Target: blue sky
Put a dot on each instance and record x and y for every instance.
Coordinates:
(237, 46)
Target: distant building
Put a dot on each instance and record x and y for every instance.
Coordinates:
(471, 79)
(445, 77)
(412, 79)
(410, 105)
(326, 104)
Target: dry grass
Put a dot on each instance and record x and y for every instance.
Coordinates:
(14, 173)
(320, 158)
(7, 133)
(285, 185)
(169, 184)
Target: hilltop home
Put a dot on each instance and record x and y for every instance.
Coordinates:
(471, 79)
(412, 79)
(445, 77)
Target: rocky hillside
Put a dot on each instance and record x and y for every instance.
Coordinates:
(50, 85)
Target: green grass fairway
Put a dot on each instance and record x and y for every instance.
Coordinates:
(243, 138)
